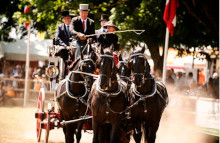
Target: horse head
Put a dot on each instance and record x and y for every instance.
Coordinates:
(123, 71)
(139, 66)
(107, 68)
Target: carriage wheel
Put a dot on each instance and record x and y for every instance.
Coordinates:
(48, 126)
(40, 109)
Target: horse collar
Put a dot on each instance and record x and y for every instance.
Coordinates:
(68, 90)
(143, 96)
(109, 93)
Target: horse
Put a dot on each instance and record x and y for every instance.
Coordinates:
(72, 94)
(123, 71)
(107, 100)
(148, 97)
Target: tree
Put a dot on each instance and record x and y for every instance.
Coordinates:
(7, 9)
(197, 21)
(148, 15)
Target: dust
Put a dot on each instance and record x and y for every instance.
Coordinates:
(178, 123)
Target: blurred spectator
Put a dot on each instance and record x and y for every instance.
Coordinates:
(37, 82)
(2, 92)
(43, 69)
(10, 90)
(44, 84)
(169, 79)
(190, 82)
(213, 85)
(173, 75)
(180, 81)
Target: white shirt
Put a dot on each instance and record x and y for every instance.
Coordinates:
(85, 24)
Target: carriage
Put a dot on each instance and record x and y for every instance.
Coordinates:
(109, 99)
(50, 119)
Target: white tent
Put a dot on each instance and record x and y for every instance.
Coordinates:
(17, 50)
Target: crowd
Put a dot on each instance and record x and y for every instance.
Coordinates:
(185, 84)
(12, 79)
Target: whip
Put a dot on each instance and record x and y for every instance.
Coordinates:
(138, 32)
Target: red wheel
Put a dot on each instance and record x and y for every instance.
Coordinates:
(47, 129)
(40, 110)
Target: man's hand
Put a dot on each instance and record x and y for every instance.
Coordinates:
(81, 36)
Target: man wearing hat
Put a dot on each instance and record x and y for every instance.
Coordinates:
(106, 40)
(104, 19)
(63, 39)
(62, 34)
(81, 26)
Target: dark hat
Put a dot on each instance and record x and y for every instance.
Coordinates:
(72, 15)
(104, 17)
(83, 7)
(64, 14)
(110, 23)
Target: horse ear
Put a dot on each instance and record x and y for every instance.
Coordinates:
(143, 49)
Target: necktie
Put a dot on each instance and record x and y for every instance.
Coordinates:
(68, 31)
(83, 26)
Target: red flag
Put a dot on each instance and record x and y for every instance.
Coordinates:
(26, 9)
(26, 24)
(170, 14)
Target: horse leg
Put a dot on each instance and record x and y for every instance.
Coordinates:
(146, 133)
(152, 133)
(69, 133)
(96, 128)
(115, 131)
(104, 133)
(137, 132)
(78, 133)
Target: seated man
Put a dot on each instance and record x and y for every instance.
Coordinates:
(63, 40)
(80, 27)
(106, 40)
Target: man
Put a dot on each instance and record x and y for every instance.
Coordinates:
(62, 34)
(106, 40)
(104, 19)
(63, 39)
(80, 27)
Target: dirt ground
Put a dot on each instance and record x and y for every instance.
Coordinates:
(17, 125)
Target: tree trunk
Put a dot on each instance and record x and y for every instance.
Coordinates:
(155, 55)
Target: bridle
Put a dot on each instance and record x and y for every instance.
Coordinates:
(143, 74)
(113, 66)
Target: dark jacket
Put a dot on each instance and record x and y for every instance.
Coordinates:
(76, 27)
(62, 38)
(106, 40)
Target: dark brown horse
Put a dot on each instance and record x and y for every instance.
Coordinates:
(107, 100)
(149, 96)
(72, 94)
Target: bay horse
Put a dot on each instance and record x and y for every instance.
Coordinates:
(149, 96)
(72, 94)
(107, 100)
